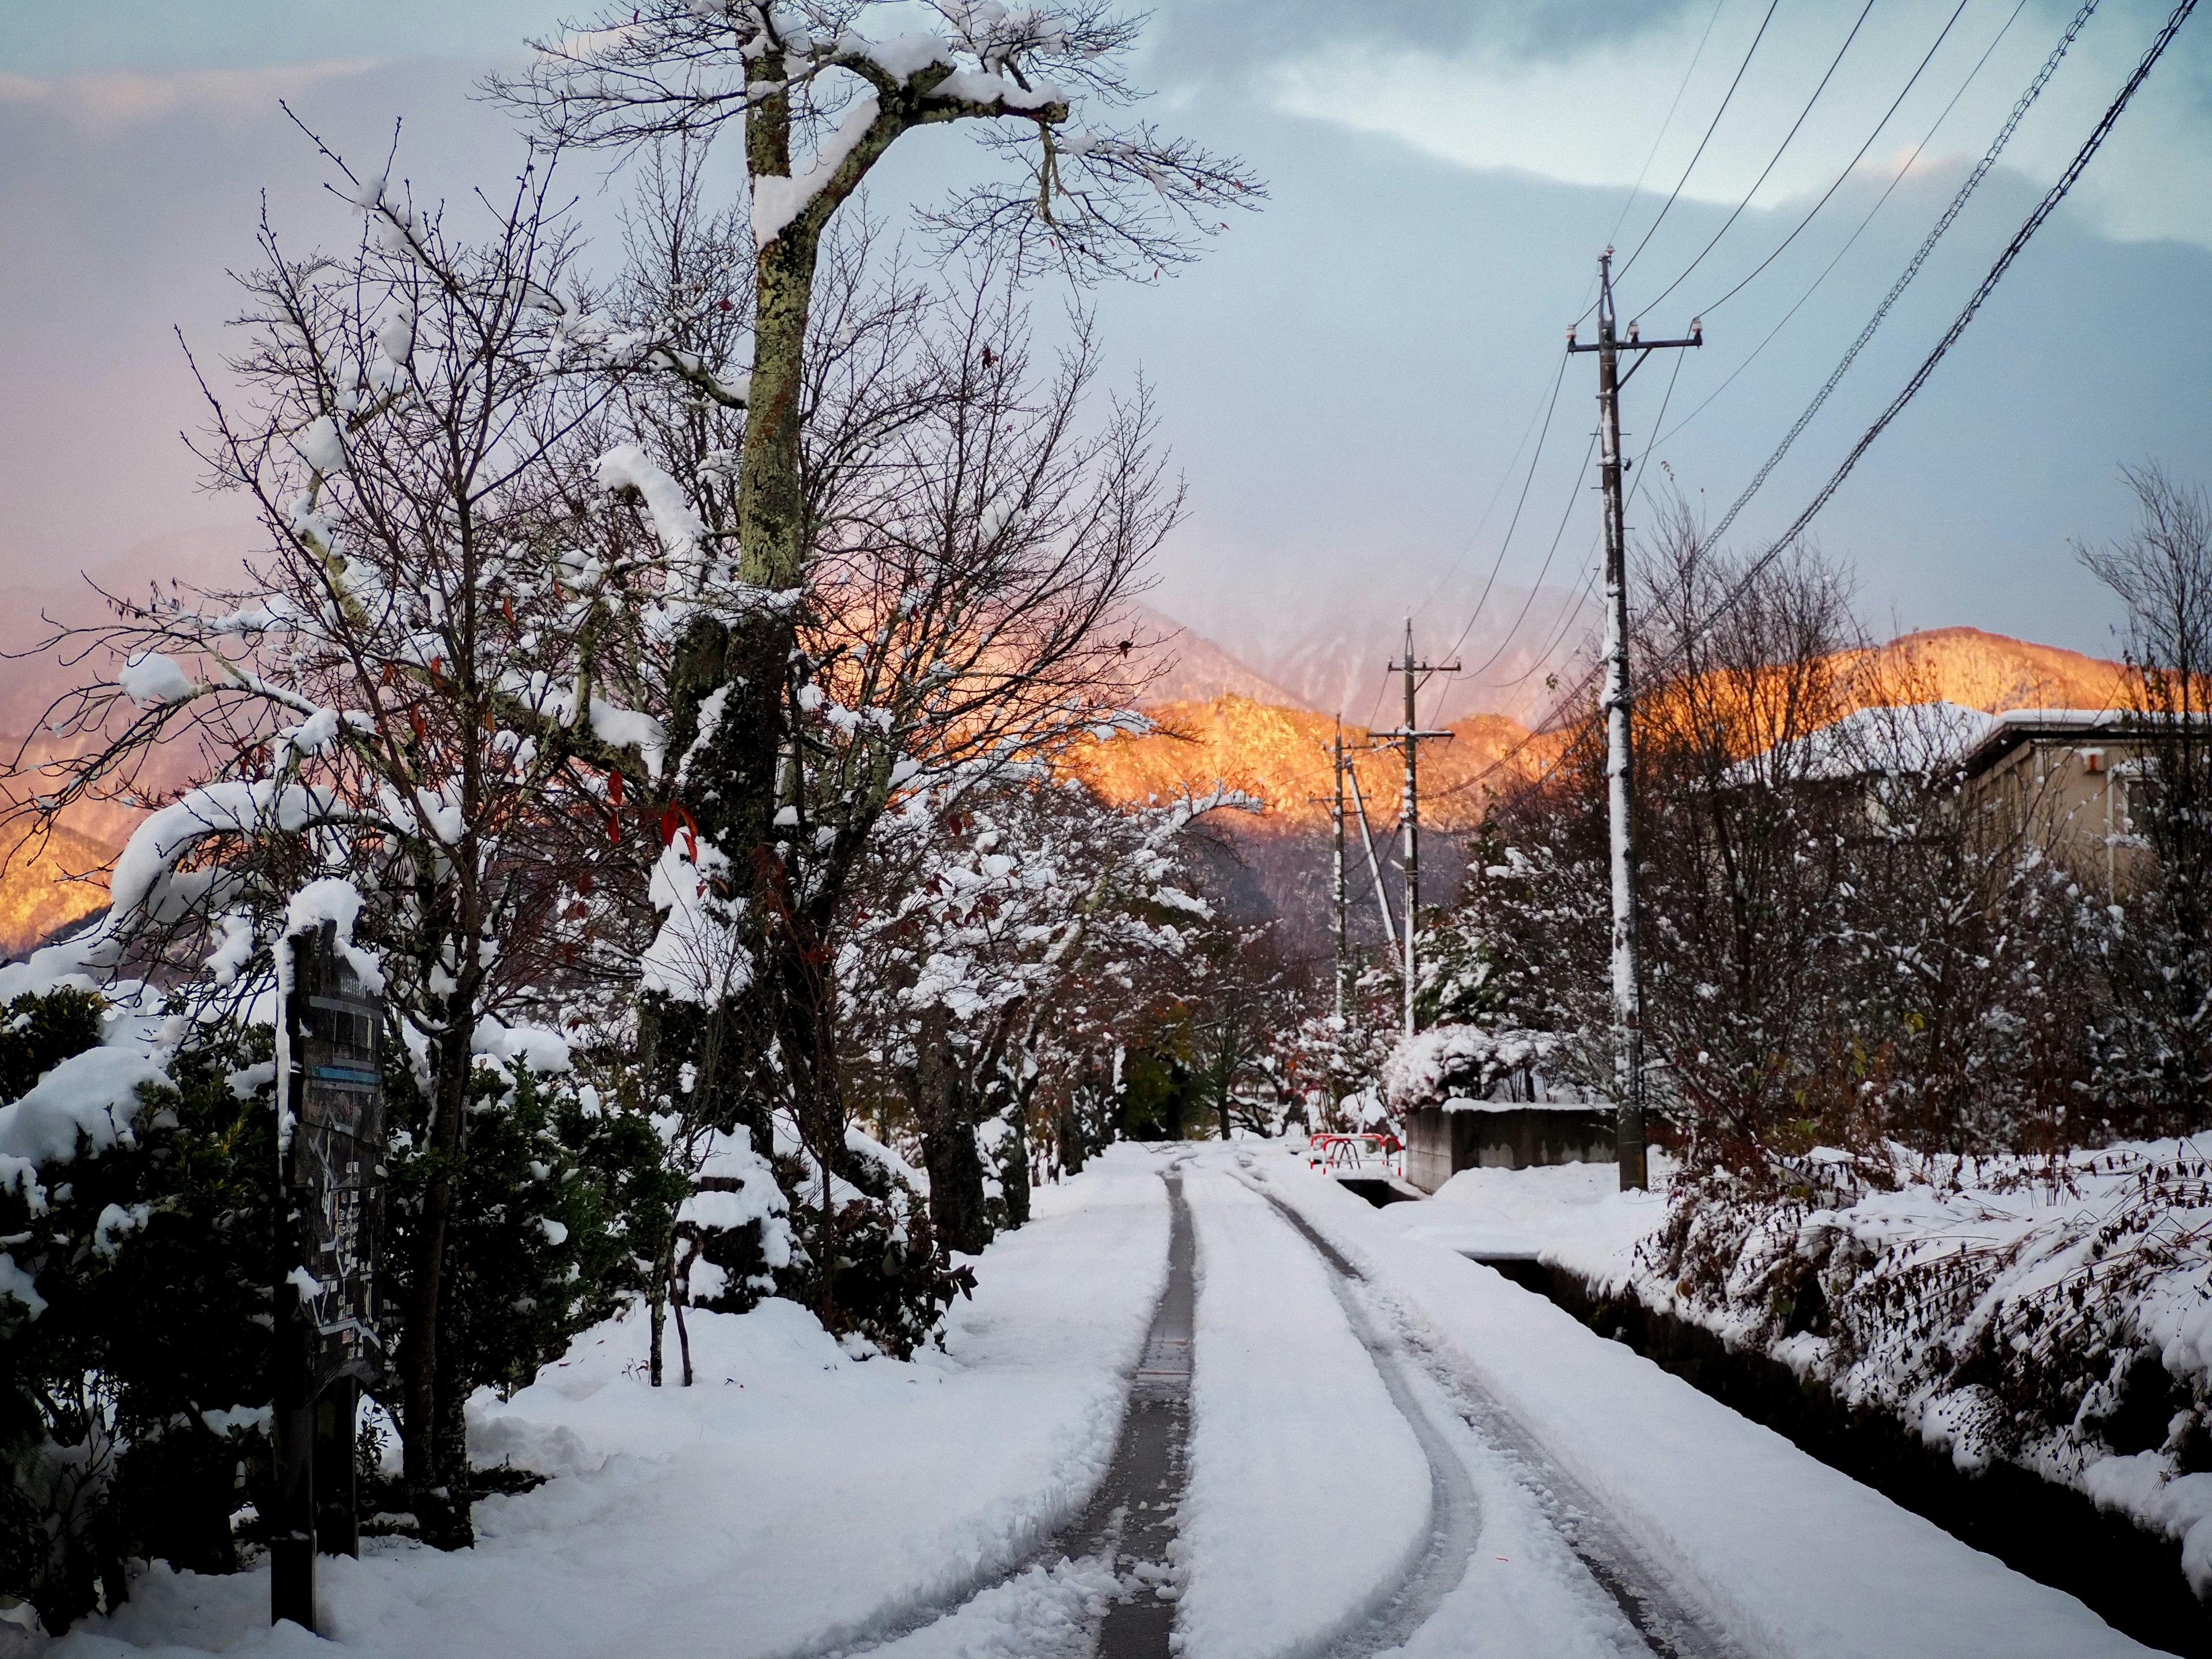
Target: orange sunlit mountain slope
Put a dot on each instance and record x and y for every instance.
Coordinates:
(1280, 755)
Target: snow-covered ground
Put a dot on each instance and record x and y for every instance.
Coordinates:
(1309, 1497)
(1786, 1555)
(1397, 1432)
(792, 1499)
(2110, 1248)
(1574, 1213)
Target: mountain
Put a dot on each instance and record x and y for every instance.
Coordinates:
(1280, 757)
(1993, 672)
(1170, 663)
(1278, 752)
(1330, 649)
(46, 887)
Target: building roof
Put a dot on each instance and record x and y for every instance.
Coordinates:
(2008, 731)
(1883, 741)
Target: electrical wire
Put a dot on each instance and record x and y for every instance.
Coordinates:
(1927, 247)
(1773, 161)
(1541, 408)
(1725, 101)
(2034, 222)
(1896, 179)
(2021, 239)
(1546, 570)
(1498, 563)
(1707, 311)
(1652, 155)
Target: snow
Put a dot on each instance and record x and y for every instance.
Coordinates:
(1921, 737)
(800, 1499)
(148, 677)
(794, 1499)
(337, 901)
(1794, 1557)
(1442, 1061)
(1309, 1497)
(14, 1282)
(322, 445)
(93, 1094)
(545, 1052)
(695, 956)
(1548, 1211)
(777, 201)
(143, 887)
(681, 532)
(629, 728)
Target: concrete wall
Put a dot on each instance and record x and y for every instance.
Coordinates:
(1440, 1144)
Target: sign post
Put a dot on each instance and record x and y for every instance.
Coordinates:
(329, 1214)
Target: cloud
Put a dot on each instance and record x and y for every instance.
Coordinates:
(108, 98)
(1238, 36)
(1542, 94)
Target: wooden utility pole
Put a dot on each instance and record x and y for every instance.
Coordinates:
(1410, 735)
(1620, 736)
(1336, 865)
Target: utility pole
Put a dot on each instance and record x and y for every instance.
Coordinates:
(1619, 750)
(1410, 817)
(1335, 803)
(1336, 856)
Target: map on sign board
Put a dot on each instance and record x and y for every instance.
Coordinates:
(337, 1153)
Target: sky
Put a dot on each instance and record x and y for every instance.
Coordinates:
(1354, 379)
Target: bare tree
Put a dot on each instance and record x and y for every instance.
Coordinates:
(1089, 201)
(2162, 573)
(403, 702)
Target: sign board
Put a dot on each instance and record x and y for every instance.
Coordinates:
(334, 1166)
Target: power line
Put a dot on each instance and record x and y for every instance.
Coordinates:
(1542, 408)
(1773, 161)
(1927, 247)
(1498, 563)
(1896, 179)
(2020, 238)
(1702, 143)
(1637, 188)
(1567, 612)
(1574, 496)
(1707, 311)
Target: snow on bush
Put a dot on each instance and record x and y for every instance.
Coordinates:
(2055, 1312)
(1459, 1062)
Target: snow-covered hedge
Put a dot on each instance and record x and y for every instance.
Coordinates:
(1460, 1061)
(2052, 1312)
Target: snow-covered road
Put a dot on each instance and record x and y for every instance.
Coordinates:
(1344, 1439)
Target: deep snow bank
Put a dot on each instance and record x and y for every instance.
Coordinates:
(792, 1497)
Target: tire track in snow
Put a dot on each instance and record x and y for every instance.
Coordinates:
(1667, 1627)
(1104, 1585)
(1132, 1519)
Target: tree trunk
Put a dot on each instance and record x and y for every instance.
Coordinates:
(948, 1141)
(1014, 1162)
(419, 1345)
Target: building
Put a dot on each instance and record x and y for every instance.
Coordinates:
(1472, 1098)
(2066, 780)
